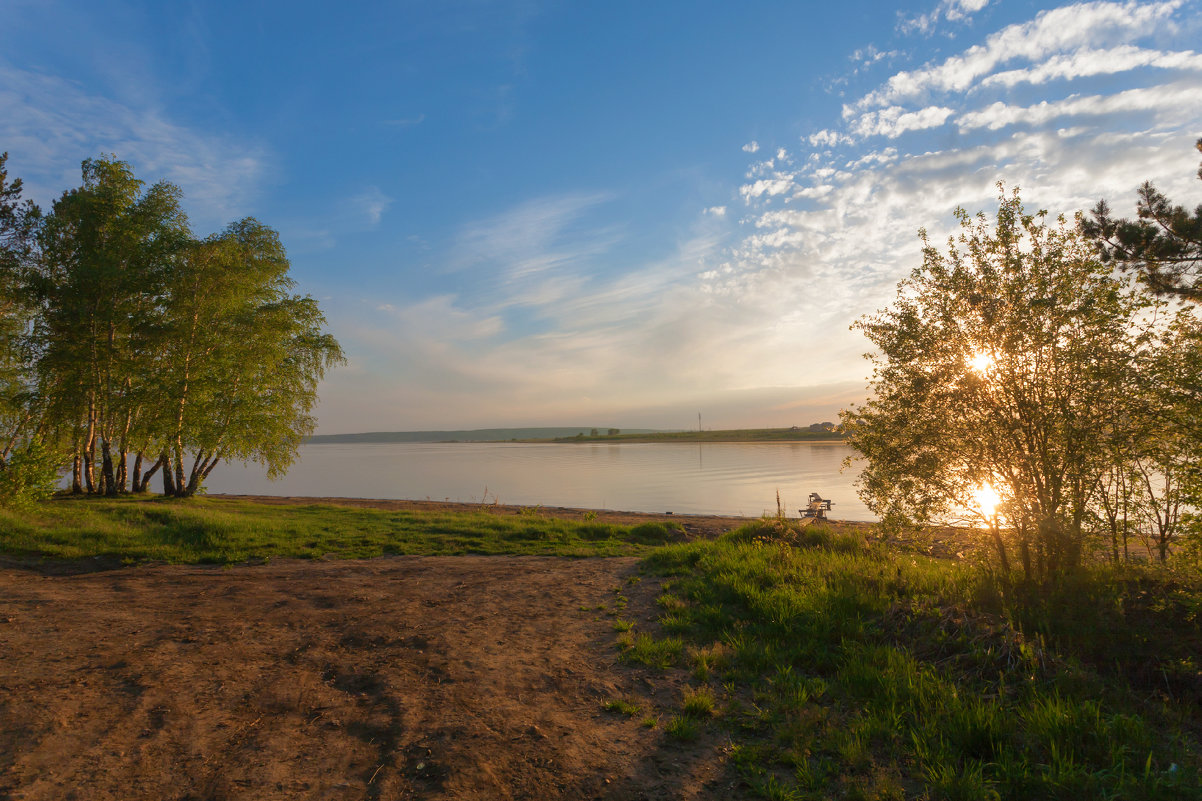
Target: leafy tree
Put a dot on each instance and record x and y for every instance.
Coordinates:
(1164, 242)
(147, 342)
(1167, 448)
(18, 225)
(244, 359)
(27, 469)
(1002, 371)
(29, 474)
(107, 248)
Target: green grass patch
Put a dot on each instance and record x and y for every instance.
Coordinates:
(622, 707)
(681, 727)
(224, 531)
(698, 702)
(647, 650)
(852, 671)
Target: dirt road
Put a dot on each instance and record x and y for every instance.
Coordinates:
(405, 677)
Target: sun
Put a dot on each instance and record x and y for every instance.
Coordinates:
(986, 499)
(981, 361)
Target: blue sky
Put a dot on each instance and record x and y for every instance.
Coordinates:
(612, 214)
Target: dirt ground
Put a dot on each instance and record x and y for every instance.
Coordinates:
(402, 677)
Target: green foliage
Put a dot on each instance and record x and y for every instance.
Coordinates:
(134, 340)
(654, 533)
(647, 650)
(698, 702)
(247, 354)
(622, 707)
(879, 675)
(682, 727)
(1011, 360)
(19, 220)
(28, 476)
(796, 533)
(1163, 243)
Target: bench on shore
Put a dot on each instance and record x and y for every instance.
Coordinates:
(817, 508)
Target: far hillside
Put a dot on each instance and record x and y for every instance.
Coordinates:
(819, 432)
(471, 435)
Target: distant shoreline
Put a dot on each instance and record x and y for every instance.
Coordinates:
(692, 440)
(563, 436)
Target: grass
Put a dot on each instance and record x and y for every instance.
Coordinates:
(682, 727)
(834, 666)
(224, 531)
(647, 650)
(853, 671)
(622, 707)
(698, 702)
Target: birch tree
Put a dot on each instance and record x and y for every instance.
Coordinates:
(152, 345)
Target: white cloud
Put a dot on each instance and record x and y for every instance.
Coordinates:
(837, 235)
(874, 157)
(867, 56)
(371, 203)
(716, 211)
(1152, 103)
(828, 138)
(1071, 27)
(49, 125)
(894, 121)
(1089, 62)
(766, 186)
(950, 10)
(751, 147)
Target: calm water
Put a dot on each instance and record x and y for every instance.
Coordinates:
(717, 478)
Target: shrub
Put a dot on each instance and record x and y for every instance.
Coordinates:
(656, 533)
(29, 475)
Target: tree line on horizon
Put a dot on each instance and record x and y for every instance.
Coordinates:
(1044, 377)
(129, 346)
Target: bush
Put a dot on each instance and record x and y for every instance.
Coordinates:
(30, 475)
(656, 533)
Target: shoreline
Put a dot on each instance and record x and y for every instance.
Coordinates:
(940, 541)
(694, 523)
(589, 441)
(681, 441)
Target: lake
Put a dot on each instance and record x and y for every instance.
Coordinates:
(709, 478)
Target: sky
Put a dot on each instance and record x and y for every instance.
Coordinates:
(525, 212)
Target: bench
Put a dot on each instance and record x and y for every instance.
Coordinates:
(818, 507)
